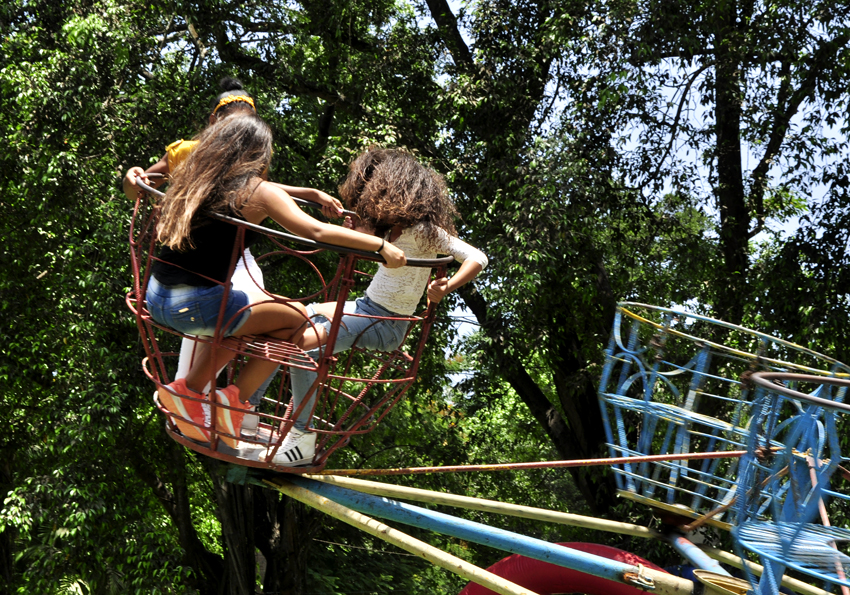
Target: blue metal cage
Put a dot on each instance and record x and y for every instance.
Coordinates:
(675, 383)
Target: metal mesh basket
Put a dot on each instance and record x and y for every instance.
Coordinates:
(677, 383)
(784, 497)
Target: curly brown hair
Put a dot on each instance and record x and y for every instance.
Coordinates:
(388, 187)
(219, 176)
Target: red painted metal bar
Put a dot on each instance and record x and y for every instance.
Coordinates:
(732, 454)
(351, 403)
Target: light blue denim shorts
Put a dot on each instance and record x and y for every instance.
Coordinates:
(194, 310)
(368, 333)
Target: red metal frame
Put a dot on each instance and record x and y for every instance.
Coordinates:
(347, 403)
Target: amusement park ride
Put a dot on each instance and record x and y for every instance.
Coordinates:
(710, 423)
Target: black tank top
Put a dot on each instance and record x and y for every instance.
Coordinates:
(213, 241)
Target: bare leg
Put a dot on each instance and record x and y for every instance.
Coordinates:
(307, 337)
(198, 378)
(326, 309)
(255, 372)
(252, 376)
(271, 318)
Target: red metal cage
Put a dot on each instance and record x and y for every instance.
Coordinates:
(355, 389)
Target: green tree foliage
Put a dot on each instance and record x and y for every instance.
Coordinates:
(597, 151)
(71, 383)
(738, 106)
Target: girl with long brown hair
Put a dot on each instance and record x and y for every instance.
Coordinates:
(225, 174)
(233, 99)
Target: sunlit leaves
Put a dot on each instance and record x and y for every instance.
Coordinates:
(578, 140)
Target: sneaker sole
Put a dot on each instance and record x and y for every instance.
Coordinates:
(174, 404)
(301, 463)
(224, 419)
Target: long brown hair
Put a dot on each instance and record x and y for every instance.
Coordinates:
(218, 176)
(388, 187)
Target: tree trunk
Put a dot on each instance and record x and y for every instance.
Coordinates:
(283, 532)
(731, 200)
(581, 435)
(207, 566)
(235, 504)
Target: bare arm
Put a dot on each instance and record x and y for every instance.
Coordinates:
(331, 207)
(269, 200)
(472, 260)
(440, 288)
(131, 189)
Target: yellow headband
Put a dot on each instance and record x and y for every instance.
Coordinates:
(231, 99)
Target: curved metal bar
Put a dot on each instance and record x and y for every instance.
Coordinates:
(413, 262)
(151, 189)
(299, 201)
(723, 348)
(767, 380)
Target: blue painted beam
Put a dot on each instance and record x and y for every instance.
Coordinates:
(694, 555)
(479, 533)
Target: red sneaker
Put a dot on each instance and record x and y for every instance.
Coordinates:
(189, 413)
(229, 414)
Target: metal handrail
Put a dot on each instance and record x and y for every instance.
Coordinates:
(374, 256)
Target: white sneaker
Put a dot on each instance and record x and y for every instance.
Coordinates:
(250, 423)
(297, 449)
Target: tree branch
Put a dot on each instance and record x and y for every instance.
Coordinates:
(447, 24)
(199, 44)
(675, 124)
(354, 42)
(232, 52)
(516, 375)
(575, 438)
(821, 62)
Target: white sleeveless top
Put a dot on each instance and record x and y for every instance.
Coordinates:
(399, 290)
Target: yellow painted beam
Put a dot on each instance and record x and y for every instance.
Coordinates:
(406, 542)
(757, 569)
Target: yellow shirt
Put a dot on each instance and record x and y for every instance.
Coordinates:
(178, 151)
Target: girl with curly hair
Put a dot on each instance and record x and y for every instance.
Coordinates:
(403, 202)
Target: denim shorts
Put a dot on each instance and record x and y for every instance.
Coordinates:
(368, 333)
(194, 310)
